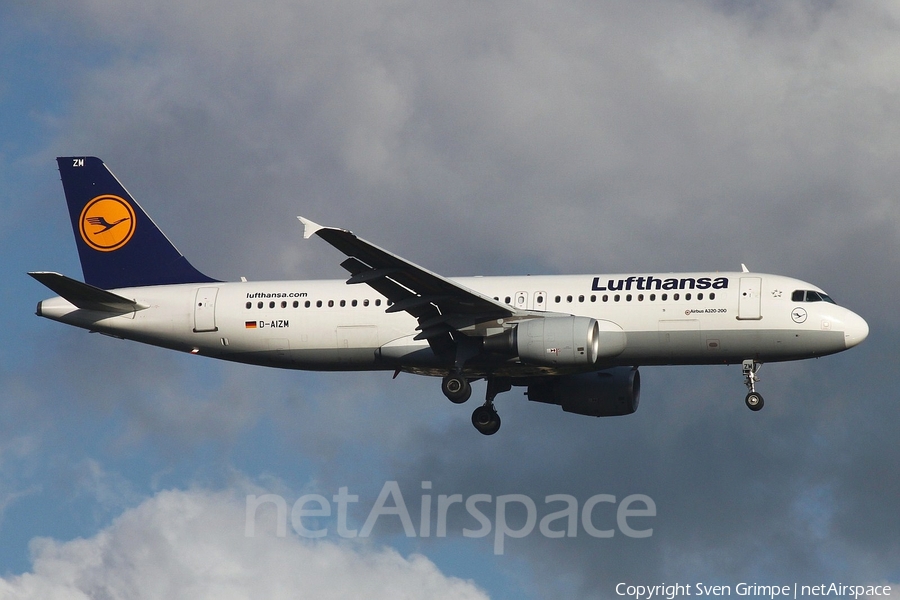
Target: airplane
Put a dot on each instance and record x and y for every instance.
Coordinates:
(576, 341)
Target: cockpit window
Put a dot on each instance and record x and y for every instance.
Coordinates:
(811, 296)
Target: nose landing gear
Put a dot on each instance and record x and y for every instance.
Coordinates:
(754, 400)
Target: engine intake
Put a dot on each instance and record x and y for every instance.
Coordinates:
(610, 393)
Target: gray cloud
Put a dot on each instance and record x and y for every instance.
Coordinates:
(686, 126)
(804, 492)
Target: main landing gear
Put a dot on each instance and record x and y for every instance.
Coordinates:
(485, 418)
(754, 400)
(457, 388)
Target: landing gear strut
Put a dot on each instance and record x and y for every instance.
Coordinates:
(750, 369)
(485, 417)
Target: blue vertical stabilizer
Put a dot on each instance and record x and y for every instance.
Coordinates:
(118, 244)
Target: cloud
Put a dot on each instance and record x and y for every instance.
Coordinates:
(191, 544)
(596, 137)
(686, 124)
(726, 485)
(14, 453)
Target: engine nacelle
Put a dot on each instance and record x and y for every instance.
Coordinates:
(559, 341)
(610, 393)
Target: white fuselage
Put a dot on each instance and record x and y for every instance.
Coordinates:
(683, 318)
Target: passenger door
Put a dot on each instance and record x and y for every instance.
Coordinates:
(749, 301)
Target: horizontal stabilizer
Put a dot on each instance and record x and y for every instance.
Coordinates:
(86, 296)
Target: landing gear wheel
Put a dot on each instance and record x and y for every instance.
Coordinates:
(486, 420)
(457, 388)
(754, 401)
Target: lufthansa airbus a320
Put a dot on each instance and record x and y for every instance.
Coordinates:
(571, 340)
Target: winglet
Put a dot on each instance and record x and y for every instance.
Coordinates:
(744, 268)
(309, 228)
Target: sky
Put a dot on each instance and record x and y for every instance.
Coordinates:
(473, 139)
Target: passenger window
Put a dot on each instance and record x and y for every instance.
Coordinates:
(284, 304)
(249, 305)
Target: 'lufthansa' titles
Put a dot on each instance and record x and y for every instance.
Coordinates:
(649, 282)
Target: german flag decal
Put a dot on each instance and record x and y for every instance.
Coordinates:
(250, 324)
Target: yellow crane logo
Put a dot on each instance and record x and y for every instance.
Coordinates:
(107, 223)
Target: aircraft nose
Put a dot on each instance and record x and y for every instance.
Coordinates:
(855, 330)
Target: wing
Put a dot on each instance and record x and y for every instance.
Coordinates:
(441, 306)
